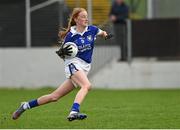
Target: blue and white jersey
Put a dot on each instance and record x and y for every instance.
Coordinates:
(84, 41)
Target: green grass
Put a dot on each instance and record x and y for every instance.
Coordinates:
(105, 108)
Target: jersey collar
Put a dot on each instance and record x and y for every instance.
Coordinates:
(74, 32)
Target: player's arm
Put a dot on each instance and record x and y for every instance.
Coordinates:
(104, 34)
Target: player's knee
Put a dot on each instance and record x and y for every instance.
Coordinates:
(87, 86)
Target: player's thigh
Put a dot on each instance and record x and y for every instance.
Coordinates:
(64, 88)
(80, 78)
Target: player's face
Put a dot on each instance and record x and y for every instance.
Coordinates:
(82, 19)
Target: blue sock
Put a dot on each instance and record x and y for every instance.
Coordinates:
(33, 103)
(75, 107)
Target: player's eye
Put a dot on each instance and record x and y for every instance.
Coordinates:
(84, 17)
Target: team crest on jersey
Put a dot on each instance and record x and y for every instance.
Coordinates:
(89, 38)
(82, 40)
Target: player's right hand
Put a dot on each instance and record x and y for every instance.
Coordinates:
(64, 51)
(109, 36)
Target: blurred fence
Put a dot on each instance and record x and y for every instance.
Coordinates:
(166, 8)
(44, 21)
(47, 19)
(156, 38)
(12, 23)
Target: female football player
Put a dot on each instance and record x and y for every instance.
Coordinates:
(76, 69)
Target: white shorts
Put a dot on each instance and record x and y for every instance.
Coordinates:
(75, 64)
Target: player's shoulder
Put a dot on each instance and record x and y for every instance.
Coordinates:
(68, 37)
(69, 34)
(92, 27)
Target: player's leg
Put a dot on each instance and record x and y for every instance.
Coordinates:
(61, 91)
(81, 79)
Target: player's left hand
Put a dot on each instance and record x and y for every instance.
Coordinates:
(108, 36)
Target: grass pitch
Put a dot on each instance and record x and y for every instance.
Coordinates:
(108, 109)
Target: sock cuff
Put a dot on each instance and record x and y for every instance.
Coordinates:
(33, 103)
(75, 107)
(77, 104)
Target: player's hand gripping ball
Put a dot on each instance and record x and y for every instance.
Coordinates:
(74, 50)
(68, 50)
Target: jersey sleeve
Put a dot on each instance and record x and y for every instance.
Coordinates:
(95, 29)
(99, 31)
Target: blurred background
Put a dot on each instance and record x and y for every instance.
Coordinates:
(145, 52)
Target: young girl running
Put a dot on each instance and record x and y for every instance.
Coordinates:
(76, 69)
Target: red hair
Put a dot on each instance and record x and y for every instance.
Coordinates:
(71, 22)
